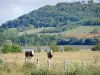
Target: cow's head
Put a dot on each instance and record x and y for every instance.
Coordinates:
(51, 51)
(33, 52)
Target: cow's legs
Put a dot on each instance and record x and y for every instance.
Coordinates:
(25, 59)
(32, 59)
(49, 62)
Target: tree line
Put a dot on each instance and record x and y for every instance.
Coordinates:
(43, 39)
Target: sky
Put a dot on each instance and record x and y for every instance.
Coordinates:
(11, 9)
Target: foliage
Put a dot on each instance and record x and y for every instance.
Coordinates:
(62, 14)
(43, 40)
(68, 49)
(16, 48)
(7, 48)
(54, 47)
(96, 48)
(11, 48)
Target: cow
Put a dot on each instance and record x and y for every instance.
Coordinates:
(29, 55)
(50, 56)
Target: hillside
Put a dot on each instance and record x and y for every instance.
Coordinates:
(68, 14)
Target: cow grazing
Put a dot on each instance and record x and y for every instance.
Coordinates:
(29, 55)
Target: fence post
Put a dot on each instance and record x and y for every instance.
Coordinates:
(65, 64)
(38, 62)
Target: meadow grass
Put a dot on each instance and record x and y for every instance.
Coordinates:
(82, 30)
(14, 64)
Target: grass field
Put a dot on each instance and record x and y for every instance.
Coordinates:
(83, 30)
(35, 30)
(59, 57)
(79, 32)
(16, 61)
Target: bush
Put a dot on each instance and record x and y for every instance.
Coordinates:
(68, 49)
(11, 48)
(7, 48)
(54, 47)
(16, 48)
(96, 48)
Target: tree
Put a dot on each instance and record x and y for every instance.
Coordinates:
(90, 1)
(54, 47)
(83, 1)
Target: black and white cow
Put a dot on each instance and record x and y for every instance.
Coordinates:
(50, 56)
(29, 55)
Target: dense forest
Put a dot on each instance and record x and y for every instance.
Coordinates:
(62, 15)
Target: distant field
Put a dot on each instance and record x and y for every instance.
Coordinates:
(35, 30)
(83, 35)
(83, 30)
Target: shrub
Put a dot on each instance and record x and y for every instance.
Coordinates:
(54, 47)
(16, 48)
(96, 48)
(11, 48)
(68, 49)
(7, 48)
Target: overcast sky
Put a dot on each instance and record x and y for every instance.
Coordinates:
(11, 9)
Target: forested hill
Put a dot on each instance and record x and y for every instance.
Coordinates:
(61, 14)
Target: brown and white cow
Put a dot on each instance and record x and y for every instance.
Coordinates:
(29, 55)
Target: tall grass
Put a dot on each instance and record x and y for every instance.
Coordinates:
(14, 64)
(31, 69)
